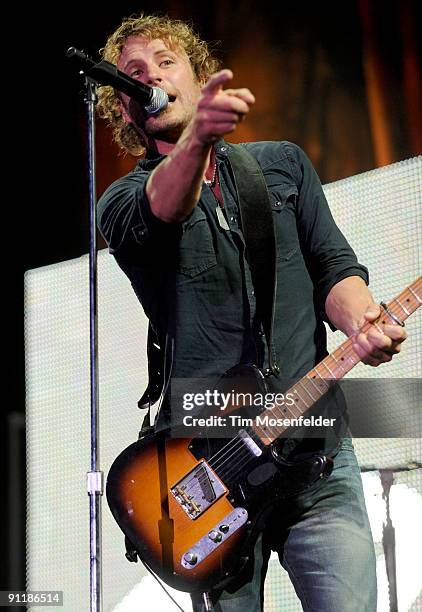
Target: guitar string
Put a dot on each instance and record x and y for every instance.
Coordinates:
(239, 442)
(280, 414)
(233, 444)
(236, 441)
(226, 453)
(220, 458)
(274, 406)
(223, 475)
(242, 458)
(347, 351)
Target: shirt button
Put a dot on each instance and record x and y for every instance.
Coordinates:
(223, 149)
(233, 219)
(141, 232)
(277, 204)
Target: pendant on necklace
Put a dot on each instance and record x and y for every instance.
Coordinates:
(221, 218)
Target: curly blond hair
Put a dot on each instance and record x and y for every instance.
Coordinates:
(179, 36)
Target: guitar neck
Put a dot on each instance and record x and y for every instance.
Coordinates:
(311, 387)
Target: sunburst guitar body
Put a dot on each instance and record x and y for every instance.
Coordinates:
(193, 508)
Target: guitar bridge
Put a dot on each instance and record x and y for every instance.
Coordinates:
(198, 490)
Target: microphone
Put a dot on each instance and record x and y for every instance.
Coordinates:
(153, 99)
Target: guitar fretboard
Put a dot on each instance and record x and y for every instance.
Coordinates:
(309, 389)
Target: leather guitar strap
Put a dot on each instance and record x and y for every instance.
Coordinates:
(259, 235)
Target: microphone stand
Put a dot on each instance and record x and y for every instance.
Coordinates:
(154, 100)
(389, 540)
(95, 478)
(388, 530)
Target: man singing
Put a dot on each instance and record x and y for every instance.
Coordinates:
(174, 227)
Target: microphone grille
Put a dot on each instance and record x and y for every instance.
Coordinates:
(158, 101)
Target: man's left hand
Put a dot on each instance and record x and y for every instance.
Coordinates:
(381, 341)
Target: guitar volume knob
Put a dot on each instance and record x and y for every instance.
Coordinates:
(215, 536)
(224, 528)
(190, 558)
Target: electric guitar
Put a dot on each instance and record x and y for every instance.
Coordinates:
(193, 508)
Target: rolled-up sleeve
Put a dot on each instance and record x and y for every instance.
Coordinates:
(124, 213)
(329, 256)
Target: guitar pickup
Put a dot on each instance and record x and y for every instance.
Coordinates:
(198, 490)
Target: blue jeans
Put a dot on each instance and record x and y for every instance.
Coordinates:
(323, 540)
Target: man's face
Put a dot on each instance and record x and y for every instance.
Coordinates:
(153, 63)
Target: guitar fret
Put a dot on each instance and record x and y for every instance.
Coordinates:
(262, 428)
(322, 378)
(297, 409)
(274, 411)
(268, 427)
(338, 363)
(328, 367)
(401, 306)
(314, 384)
(344, 358)
(282, 411)
(312, 381)
(349, 355)
(415, 294)
(300, 397)
(265, 436)
(352, 359)
(288, 411)
(308, 392)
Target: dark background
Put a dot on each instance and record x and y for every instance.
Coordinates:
(341, 79)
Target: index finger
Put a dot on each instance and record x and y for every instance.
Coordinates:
(216, 81)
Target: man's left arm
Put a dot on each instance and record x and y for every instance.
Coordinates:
(340, 281)
(349, 305)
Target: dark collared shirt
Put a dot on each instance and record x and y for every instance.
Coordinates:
(194, 283)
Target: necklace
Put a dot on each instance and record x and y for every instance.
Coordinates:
(211, 182)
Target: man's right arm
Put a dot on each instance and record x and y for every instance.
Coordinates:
(174, 187)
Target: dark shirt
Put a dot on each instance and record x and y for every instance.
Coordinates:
(193, 280)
